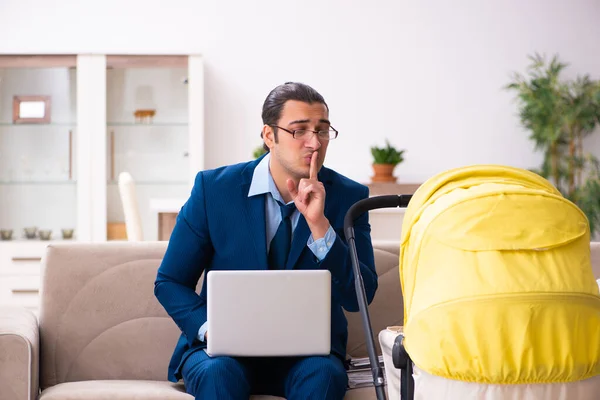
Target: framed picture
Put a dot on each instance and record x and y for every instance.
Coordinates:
(31, 109)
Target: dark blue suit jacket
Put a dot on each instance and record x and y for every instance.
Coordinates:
(221, 228)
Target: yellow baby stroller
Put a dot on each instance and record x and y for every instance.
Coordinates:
(500, 301)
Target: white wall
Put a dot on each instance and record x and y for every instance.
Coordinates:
(427, 75)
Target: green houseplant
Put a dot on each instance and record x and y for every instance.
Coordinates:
(258, 151)
(385, 160)
(559, 114)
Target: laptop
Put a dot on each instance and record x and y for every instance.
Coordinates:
(269, 313)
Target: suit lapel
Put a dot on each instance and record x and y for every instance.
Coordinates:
(254, 218)
(302, 233)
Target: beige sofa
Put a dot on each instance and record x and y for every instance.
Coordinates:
(103, 335)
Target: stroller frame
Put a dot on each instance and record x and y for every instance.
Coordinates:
(400, 357)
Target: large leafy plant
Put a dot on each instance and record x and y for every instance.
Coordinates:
(559, 114)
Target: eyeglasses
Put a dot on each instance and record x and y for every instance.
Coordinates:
(305, 134)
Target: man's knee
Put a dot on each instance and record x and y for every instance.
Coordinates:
(223, 366)
(333, 368)
(327, 369)
(198, 372)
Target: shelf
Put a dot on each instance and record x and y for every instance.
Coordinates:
(152, 183)
(21, 240)
(51, 125)
(110, 125)
(73, 182)
(147, 125)
(57, 182)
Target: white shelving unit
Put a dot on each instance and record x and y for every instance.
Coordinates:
(63, 174)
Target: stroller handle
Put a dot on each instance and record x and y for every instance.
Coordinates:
(355, 211)
(372, 203)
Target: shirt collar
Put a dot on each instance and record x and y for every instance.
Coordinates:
(262, 180)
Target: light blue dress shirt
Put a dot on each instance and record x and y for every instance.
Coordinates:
(263, 184)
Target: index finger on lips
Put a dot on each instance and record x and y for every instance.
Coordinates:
(313, 165)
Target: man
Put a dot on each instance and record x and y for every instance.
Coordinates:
(236, 218)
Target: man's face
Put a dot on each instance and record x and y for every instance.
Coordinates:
(293, 155)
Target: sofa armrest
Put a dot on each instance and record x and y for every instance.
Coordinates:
(19, 354)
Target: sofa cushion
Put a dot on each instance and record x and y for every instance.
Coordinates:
(99, 315)
(367, 393)
(116, 390)
(387, 308)
(148, 390)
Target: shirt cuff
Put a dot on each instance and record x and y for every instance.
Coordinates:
(321, 247)
(202, 331)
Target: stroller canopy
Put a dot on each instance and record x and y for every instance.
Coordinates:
(497, 280)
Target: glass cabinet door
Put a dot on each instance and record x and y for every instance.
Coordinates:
(38, 174)
(147, 138)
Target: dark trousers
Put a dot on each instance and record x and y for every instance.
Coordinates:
(290, 377)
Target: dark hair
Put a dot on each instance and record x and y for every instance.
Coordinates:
(273, 105)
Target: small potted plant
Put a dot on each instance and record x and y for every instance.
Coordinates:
(258, 151)
(385, 160)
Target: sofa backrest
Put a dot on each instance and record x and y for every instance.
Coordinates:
(99, 318)
(387, 307)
